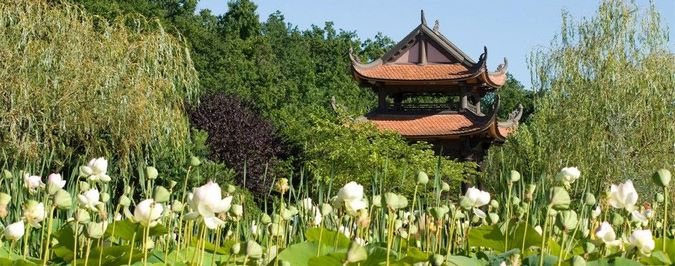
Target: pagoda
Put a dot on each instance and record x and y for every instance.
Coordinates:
(430, 90)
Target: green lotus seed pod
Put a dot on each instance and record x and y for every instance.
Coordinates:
(151, 172)
(662, 177)
(105, 197)
(402, 202)
(125, 201)
(326, 209)
(412, 229)
(253, 249)
(356, 253)
(494, 218)
(494, 204)
(466, 203)
(82, 216)
(559, 198)
(231, 189)
(438, 212)
(445, 187)
(422, 178)
(589, 247)
(5, 198)
(6, 174)
(162, 194)
(660, 198)
(172, 184)
(377, 201)
(194, 161)
(265, 219)
(177, 206)
(63, 200)
(237, 210)
(96, 230)
(568, 220)
(515, 201)
(515, 176)
(589, 199)
(391, 199)
(84, 186)
(578, 261)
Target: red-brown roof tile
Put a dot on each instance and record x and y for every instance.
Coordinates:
(415, 72)
(429, 125)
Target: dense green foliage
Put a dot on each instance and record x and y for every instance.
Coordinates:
(608, 100)
(77, 85)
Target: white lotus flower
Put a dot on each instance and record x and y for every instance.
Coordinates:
(623, 196)
(206, 201)
(89, 199)
(317, 217)
(477, 198)
(32, 182)
(352, 191)
(34, 213)
(97, 170)
(56, 180)
(643, 240)
(606, 234)
(147, 212)
(354, 206)
(306, 204)
(15, 231)
(568, 175)
(254, 229)
(538, 229)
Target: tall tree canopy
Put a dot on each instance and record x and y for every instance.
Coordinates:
(608, 105)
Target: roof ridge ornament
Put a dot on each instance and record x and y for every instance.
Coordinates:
(424, 20)
(437, 27)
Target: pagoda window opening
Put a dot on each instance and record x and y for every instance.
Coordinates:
(420, 102)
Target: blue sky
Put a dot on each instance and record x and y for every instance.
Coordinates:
(510, 29)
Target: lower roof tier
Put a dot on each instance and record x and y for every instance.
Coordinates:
(439, 125)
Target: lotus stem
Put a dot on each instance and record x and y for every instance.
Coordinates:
(49, 234)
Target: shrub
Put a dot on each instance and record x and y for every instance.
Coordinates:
(240, 138)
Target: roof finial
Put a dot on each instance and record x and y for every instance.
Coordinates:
(437, 26)
(424, 20)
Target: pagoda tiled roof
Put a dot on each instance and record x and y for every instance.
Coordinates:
(439, 125)
(417, 72)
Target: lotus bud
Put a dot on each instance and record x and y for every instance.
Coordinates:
(377, 201)
(437, 260)
(439, 212)
(475, 219)
(54, 183)
(125, 201)
(151, 173)
(96, 230)
(617, 220)
(515, 176)
(194, 161)
(596, 212)
(402, 202)
(445, 187)
(63, 200)
(494, 218)
(254, 250)
(662, 177)
(6, 174)
(391, 199)
(356, 253)
(412, 229)
(568, 220)
(238, 210)
(162, 194)
(494, 204)
(15, 231)
(422, 178)
(466, 203)
(84, 186)
(589, 199)
(236, 248)
(529, 194)
(231, 189)
(660, 198)
(265, 219)
(326, 209)
(177, 206)
(559, 198)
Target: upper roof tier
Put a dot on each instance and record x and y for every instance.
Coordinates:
(425, 57)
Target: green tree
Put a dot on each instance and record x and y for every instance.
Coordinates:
(607, 104)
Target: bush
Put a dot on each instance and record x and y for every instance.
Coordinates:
(240, 138)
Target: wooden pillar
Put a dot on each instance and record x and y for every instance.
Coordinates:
(478, 106)
(463, 101)
(381, 100)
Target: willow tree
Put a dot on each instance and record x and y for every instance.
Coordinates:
(74, 86)
(607, 100)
